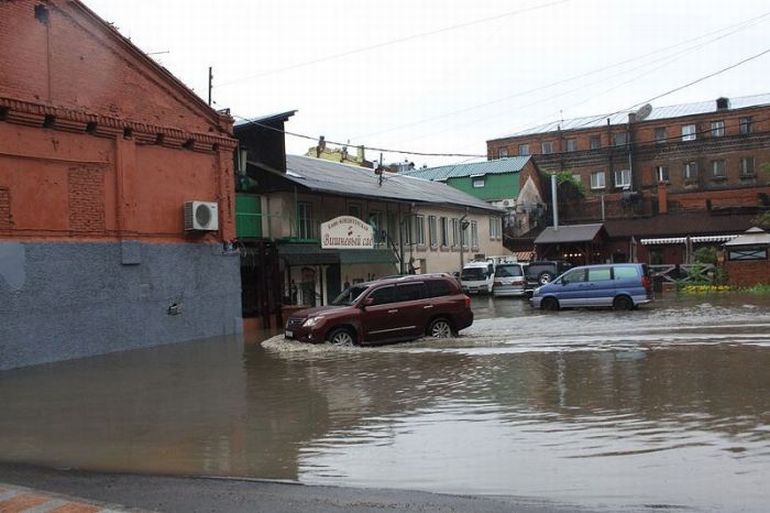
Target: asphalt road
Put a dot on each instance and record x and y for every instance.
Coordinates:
(207, 495)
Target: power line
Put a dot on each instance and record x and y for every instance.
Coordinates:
(394, 41)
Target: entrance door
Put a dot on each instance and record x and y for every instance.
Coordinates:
(333, 287)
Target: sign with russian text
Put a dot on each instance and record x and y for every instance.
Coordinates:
(346, 232)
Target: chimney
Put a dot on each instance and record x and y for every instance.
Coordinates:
(632, 117)
(662, 198)
(723, 103)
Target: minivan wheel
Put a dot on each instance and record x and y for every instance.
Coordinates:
(544, 277)
(549, 303)
(623, 303)
(440, 328)
(341, 337)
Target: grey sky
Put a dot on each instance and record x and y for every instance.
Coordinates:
(451, 90)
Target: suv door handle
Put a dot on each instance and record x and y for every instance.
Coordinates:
(393, 311)
(427, 307)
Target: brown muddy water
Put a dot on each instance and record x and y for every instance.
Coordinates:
(664, 407)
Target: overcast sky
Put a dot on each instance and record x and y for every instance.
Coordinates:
(444, 76)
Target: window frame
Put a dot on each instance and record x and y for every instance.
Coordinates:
(721, 166)
(524, 150)
(474, 234)
(502, 153)
(662, 174)
(549, 146)
(661, 130)
(718, 128)
(690, 170)
(432, 232)
(305, 220)
(594, 142)
(689, 132)
(744, 168)
(570, 144)
(603, 180)
(623, 173)
(745, 125)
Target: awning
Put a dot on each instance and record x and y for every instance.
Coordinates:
(683, 240)
(307, 254)
(569, 234)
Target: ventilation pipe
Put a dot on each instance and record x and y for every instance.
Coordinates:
(555, 201)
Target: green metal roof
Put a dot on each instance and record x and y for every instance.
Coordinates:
(489, 167)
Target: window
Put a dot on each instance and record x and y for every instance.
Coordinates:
(523, 150)
(304, 220)
(576, 276)
(466, 231)
(690, 171)
(623, 272)
(495, 228)
(455, 233)
(748, 253)
(660, 134)
(547, 148)
(599, 274)
(444, 227)
(718, 169)
(502, 153)
(597, 180)
(619, 139)
(661, 173)
(409, 292)
(419, 230)
(375, 221)
(571, 144)
(478, 182)
(474, 234)
(717, 128)
(432, 234)
(747, 166)
(688, 132)
(595, 142)
(744, 126)
(436, 288)
(623, 178)
(383, 295)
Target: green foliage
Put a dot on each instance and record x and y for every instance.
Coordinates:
(706, 255)
(762, 220)
(567, 183)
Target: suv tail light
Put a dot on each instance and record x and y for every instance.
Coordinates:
(646, 283)
(467, 302)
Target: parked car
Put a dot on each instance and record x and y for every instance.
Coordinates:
(544, 271)
(388, 310)
(621, 286)
(509, 280)
(477, 277)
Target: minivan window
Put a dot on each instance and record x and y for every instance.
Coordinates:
(436, 288)
(383, 295)
(576, 276)
(409, 292)
(506, 271)
(474, 273)
(348, 296)
(625, 272)
(600, 274)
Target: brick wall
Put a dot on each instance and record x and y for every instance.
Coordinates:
(85, 189)
(5, 209)
(748, 273)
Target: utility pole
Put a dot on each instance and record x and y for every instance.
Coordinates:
(211, 81)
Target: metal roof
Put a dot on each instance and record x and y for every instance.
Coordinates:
(346, 180)
(489, 167)
(265, 118)
(752, 237)
(665, 112)
(569, 233)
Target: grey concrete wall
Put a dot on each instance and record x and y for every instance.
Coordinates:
(60, 301)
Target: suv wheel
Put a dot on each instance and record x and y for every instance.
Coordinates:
(440, 328)
(623, 303)
(549, 303)
(545, 277)
(341, 337)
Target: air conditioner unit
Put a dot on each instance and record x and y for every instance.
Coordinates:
(201, 216)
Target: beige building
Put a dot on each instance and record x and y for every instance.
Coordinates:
(417, 226)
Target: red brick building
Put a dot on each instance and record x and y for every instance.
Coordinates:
(707, 159)
(100, 148)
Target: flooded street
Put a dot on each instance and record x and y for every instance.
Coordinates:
(664, 407)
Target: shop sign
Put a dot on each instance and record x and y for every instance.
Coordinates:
(346, 232)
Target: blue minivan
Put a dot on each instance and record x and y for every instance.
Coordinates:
(620, 286)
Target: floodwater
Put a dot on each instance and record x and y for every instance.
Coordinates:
(664, 407)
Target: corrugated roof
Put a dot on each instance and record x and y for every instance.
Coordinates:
(752, 237)
(332, 177)
(264, 118)
(672, 225)
(665, 112)
(569, 233)
(489, 167)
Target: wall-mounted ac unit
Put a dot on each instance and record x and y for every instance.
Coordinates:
(201, 216)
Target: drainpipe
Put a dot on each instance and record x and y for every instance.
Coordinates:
(555, 201)
(603, 211)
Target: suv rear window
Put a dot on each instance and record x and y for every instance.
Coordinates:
(409, 292)
(505, 271)
(436, 288)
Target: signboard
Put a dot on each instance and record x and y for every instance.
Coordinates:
(346, 232)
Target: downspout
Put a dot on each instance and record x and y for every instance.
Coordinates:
(555, 201)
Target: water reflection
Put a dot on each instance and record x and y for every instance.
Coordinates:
(666, 406)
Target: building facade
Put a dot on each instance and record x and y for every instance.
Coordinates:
(708, 158)
(100, 149)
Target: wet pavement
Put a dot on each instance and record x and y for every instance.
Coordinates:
(664, 407)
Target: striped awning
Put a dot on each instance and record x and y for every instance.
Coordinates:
(683, 240)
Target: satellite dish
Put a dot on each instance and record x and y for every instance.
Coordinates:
(644, 111)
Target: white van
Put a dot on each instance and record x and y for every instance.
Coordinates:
(477, 277)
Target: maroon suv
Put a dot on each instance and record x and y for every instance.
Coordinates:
(387, 310)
